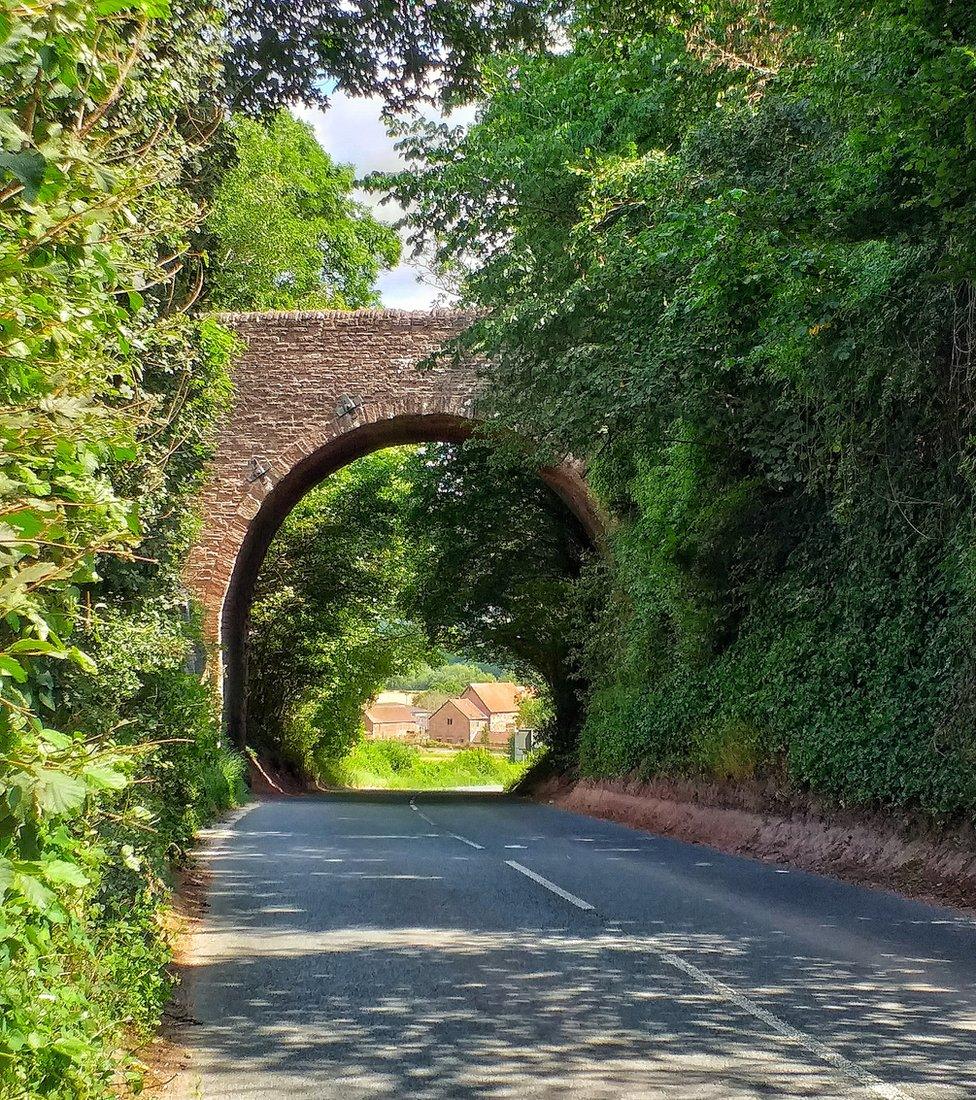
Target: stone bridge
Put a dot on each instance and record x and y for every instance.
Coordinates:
(313, 392)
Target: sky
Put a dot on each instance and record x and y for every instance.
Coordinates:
(351, 132)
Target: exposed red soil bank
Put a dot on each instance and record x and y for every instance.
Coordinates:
(752, 820)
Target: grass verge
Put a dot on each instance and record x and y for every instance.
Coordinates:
(392, 765)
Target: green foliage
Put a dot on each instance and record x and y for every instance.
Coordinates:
(283, 50)
(535, 712)
(729, 749)
(110, 754)
(726, 255)
(479, 511)
(286, 233)
(360, 587)
(447, 681)
(108, 397)
(451, 670)
(328, 629)
(453, 679)
(392, 765)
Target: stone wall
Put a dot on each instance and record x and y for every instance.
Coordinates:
(298, 376)
(313, 392)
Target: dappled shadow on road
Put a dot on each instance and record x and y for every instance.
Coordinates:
(293, 1003)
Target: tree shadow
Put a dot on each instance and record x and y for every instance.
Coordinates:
(366, 963)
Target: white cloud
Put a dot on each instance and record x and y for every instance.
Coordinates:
(352, 132)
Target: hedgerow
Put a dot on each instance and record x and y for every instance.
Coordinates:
(109, 749)
(725, 254)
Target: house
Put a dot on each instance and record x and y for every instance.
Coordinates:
(389, 721)
(499, 704)
(421, 717)
(457, 722)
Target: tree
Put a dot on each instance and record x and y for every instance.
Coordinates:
(327, 625)
(283, 51)
(285, 231)
(480, 513)
(534, 712)
(725, 254)
(361, 585)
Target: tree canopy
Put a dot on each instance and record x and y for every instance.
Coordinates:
(281, 51)
(726, 254)
(286, 233)
(328, 627)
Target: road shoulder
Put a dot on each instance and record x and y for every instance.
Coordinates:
(752, 821)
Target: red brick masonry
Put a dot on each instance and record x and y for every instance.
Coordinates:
(288, 385)
(314, 391)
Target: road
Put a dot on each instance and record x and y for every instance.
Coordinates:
(374, 945)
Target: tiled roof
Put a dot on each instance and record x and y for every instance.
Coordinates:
(389, 712)
(498, 698)
(465, 706)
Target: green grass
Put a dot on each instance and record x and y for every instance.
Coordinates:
(391, 765)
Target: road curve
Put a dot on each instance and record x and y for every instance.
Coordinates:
(383, 945)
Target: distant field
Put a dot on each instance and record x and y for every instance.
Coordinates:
(392, 765)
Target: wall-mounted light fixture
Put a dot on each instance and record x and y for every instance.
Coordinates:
(347, 405)
(258, 468)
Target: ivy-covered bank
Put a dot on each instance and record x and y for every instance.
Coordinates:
(727, 255)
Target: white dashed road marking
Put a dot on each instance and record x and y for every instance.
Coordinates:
(464, 840)
(571, 898)
(453, 836)
(717, 987)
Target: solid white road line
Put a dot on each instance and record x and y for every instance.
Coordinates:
(454, 836)
(864, 1076)
(719, 988)
(571, 898)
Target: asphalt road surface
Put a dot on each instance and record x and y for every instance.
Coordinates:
(374, 945)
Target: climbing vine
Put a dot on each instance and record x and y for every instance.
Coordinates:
(726, 253)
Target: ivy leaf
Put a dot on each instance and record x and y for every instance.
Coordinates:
(58, 792)
(6, 875)
(75, 1049)
(130, 859)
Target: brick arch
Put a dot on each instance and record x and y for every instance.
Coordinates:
(314, 392)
